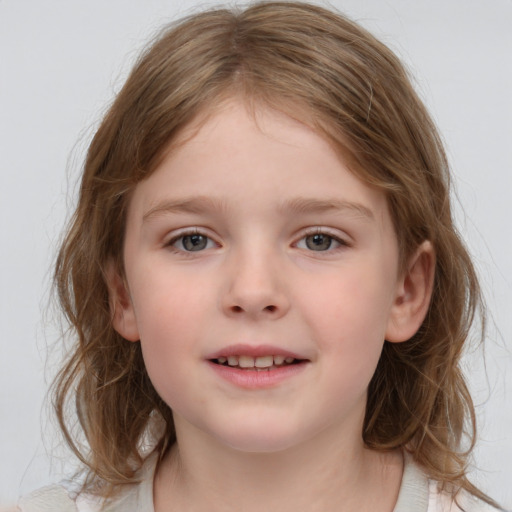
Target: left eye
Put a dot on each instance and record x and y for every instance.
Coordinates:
(319, 242)
(192, 242)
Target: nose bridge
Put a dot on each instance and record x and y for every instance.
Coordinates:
(255, 281)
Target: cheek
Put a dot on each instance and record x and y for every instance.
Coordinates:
(347, 317)
(167, 304)
(349, 329)
(356, 305)
(168, 349)
(170, 317)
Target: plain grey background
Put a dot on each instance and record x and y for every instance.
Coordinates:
(61, 62)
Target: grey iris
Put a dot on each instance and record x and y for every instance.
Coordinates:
(318, 242)
(194, 242)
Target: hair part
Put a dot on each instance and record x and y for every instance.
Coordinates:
(326, 71)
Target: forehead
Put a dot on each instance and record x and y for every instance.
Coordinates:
(244, 153)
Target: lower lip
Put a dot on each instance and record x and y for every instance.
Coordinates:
(254, 379)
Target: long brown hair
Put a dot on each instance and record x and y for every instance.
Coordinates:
(326, 71)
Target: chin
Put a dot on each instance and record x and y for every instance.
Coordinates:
(249, 431)
(259, 438)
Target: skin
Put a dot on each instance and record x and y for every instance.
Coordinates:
(294, 253)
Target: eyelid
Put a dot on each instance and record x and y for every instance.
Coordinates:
(342, 239)
(175, 235)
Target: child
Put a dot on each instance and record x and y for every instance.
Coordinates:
(269, 297)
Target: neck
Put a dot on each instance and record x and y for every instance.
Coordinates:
(325, 474)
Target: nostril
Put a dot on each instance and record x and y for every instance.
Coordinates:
(239, 309)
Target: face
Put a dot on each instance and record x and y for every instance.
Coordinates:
(262, 278)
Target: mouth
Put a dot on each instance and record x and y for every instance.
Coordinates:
(260, 363)
(257, 366)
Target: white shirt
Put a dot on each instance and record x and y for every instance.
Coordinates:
(417, 494)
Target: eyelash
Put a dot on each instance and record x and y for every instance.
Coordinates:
(341, 243)
(331, 237)
(183, 235)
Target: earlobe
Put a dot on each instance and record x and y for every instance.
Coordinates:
(121, 307)
(412, 299)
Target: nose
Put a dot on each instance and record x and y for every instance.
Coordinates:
(255, 286)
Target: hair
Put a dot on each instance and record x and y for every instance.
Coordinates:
(328, 72)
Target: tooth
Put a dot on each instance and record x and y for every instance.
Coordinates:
(233, 360)
(278, 360)
(289, 360)
(263, 361)
(221, 360)
(246, 362)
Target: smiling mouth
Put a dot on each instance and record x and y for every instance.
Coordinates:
(261, 363)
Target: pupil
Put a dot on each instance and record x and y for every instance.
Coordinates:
(194, 242)
(318, 242)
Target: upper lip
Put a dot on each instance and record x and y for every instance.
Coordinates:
(253, 351)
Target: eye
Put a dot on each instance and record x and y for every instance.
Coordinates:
(319, 241)
(192, 242)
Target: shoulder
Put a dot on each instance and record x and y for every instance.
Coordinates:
(55, 498)
(67, 498)
(419, 493)
(441, 501)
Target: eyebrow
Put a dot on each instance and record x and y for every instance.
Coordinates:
(300, 205)
(195, 204)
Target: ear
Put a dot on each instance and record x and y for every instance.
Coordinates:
(121, 307)
(412, 300)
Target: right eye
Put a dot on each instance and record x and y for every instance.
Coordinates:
(192, 242)
(320, 242)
